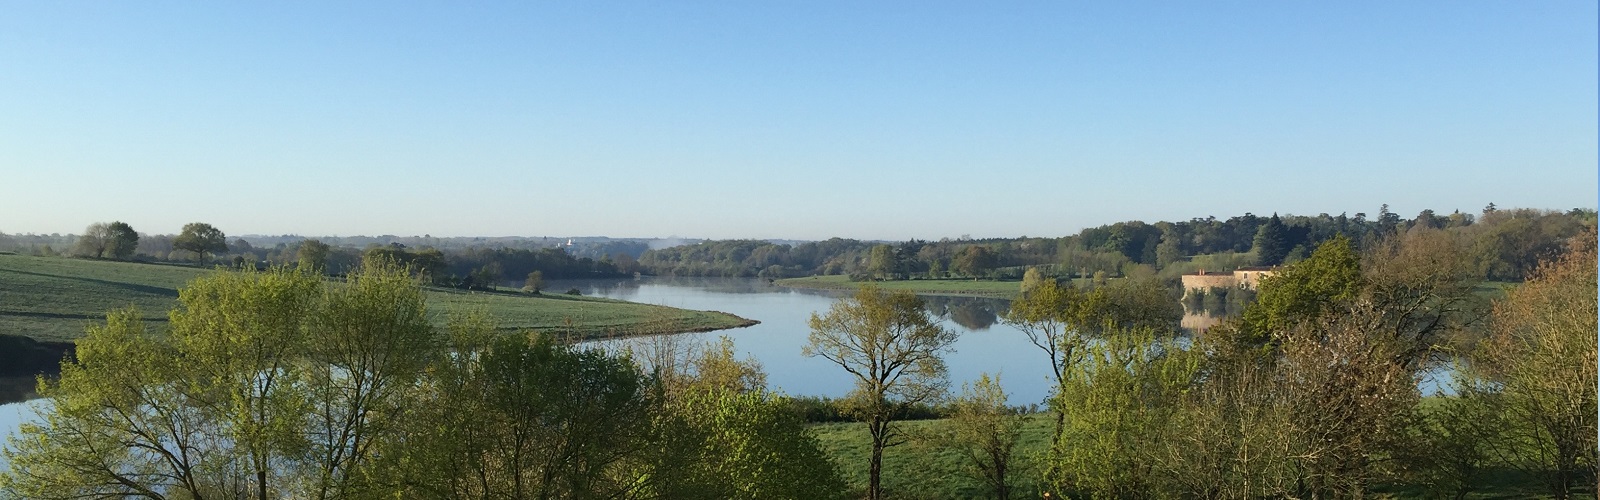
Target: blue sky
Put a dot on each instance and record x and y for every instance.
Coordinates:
(804, 120)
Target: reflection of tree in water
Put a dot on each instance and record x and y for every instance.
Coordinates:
(17, 389)
(972, 313)
(625, 288)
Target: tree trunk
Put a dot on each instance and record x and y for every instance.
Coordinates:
(875, 472)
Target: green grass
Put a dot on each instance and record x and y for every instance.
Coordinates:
(53, 299)
(983, 288)
(916, 470)
(920, 470)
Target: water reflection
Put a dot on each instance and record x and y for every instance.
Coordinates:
(17, 388)
(972, 313)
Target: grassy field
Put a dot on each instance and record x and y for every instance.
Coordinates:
(916, 470)
(981, 288)
(53, 299)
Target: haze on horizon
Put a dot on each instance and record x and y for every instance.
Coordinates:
(800, 120)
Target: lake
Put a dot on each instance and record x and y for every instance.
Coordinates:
(985, 344)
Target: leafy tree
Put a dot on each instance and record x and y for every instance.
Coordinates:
(530, 418)
(1539, 370)
(883, 264)
(1305, 290)
(122, 238)
(534, 283)
(313, 255)
(269, 385)
(974, 261)
(985, 431)
(95, 241)
(201, 238)
(890, 344)
(1119, 401)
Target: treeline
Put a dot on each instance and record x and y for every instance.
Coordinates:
(1506, 244)
(492, 265)
(280, 384)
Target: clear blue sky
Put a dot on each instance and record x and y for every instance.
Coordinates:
(805, 120)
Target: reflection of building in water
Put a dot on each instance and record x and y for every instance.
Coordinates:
(1198, 320)
(1244, 277)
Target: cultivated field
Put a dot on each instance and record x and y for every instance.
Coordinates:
(52, 299)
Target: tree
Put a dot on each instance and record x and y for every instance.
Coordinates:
(1119, 402)
(1272, 242)
(985, 431)
(523, 416)
(268, 385)
(201, 238)
(1305, 290)
(534, 283)
(974, 261)
(890, 344)
(1538, 369)
(313, 255)
(882, 263)
(95, 241)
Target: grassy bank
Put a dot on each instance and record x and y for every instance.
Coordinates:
(917, 470)
(52, 299)
(961, 287)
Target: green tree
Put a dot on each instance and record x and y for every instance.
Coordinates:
(1305, 290)
(530, 418)
(1538, 368)
(882, 263)
(268, 385)
(201, 238)
(534, 283)
(94, 242)
(975, 261)
(1271, 244)
(985, 431)
(892, 347)
(1119, 402)
(313, 255)
(123, 239)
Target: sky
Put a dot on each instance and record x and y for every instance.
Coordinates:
(776, 119)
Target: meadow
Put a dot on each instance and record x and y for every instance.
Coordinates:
(921, 469)
(52, 299)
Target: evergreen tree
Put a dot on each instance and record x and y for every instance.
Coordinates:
(1272, 242)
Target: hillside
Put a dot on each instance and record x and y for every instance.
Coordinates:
(52, 299)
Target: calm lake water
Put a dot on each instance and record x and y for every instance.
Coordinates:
(984, 345)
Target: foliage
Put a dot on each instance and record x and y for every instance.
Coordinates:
(892, 348)
(531, 419)
(1538, 369)
(986, 431)
(1118, 403)
(1271, 244)
(313, 255)
(1305, 290)
(201, 238)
